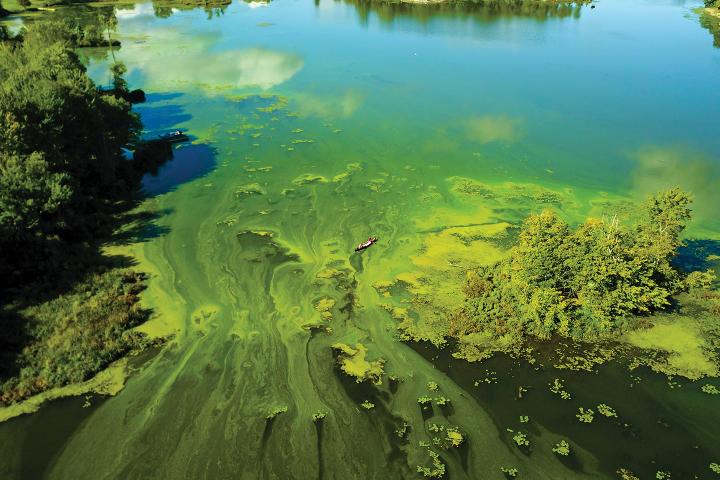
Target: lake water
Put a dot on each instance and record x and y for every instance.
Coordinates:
(315, 125)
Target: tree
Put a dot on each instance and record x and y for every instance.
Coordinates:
(583, 282)
(29, 194)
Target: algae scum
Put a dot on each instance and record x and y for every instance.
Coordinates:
(438, 131)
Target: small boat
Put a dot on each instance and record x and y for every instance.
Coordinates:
(175, 137)
(366, 244)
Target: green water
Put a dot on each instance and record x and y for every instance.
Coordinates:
(317, 125)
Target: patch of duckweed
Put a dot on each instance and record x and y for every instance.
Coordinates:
(606, 411)
(367, 405)
(562, 448)
(454, 437)
(715, 467)
(626, 474)
(432, 386)
(585, 415)
(275, 411)
(710, 389)
(520, 438)
(511, 472)
(558, 388)
(436, 469)
(318, 416)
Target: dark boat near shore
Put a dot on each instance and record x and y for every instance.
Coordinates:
(174, 137)
(366, 244)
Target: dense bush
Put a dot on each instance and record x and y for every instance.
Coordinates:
(581, 282)
(74, 335)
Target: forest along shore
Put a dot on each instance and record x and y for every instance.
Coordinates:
(65, 191)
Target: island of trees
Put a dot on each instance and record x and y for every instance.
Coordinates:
(585, 283)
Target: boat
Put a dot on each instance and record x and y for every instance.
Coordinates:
(175, 137)
(366, 244)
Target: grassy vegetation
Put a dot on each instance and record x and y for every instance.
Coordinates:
(71, 336)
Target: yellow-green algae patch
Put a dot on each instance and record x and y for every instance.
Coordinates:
(681, 339)
(108, 382)
(353, 362)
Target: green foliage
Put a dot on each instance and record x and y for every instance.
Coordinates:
(367, 405)
(581, 282)
(715, 467)
(29, 194)
(60, 153)
(424, 400)
(432, 386)
(661, 475)
(75, 334)
(524, 419)
(562, 448)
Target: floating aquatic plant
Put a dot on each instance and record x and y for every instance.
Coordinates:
(318, 416)
(562, 448)
(520, 438)
(442, 401)
(558, 388)
(715, 467)
(606, 411)
(524, 419)
(454, 436)
(660, 475)
(437, 468)
(710, 389)
(275, 411)
(424, 400)
(626, 474)
(432, 386)
(367, 405)
(585, 415)
(402, 430)
(509, 471)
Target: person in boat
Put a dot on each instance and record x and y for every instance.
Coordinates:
(367, 243)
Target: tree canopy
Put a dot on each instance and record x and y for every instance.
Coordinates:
(60, 152)
(580, 282)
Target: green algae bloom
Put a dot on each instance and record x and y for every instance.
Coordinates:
(352, 361)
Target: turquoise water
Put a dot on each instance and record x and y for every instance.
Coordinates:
(315, 125)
